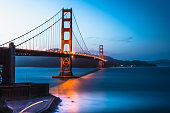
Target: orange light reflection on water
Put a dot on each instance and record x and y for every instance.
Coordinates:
(67, 92)
(70, 94)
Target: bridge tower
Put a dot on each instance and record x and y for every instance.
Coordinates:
(101, 63)
(66, 62)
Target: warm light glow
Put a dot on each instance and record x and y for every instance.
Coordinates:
(67, 92)
(70, 91)
(36, 48)
(25, 46)
(44, 49)
(30, 106)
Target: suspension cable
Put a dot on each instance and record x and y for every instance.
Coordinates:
(80, 33)
(77, 41)
(31, 30)
(40, 32)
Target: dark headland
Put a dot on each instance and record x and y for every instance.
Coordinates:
(78, 62)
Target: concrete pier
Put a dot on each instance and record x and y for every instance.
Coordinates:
(21, 91)
(7, 64)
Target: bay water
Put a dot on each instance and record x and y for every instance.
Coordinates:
(113, 90)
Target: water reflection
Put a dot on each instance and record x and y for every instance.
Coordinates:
(71, 94)
(67, 92)
(116, 90)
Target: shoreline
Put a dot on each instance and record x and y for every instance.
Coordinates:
(48, 105)
(53, 103)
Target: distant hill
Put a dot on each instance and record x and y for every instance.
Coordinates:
(161, 63)
(29, 61)
(121, 63)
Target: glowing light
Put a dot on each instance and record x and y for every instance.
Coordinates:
(44, 49)
(25, 46)
(68, 89)
(36, 48)
(30, 106)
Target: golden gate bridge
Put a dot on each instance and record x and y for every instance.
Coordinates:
(59, 36)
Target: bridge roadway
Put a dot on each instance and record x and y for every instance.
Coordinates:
(28, 52)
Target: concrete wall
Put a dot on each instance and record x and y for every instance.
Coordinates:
(7, 62)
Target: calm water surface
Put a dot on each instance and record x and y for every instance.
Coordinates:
(44, 75)
(115, 90)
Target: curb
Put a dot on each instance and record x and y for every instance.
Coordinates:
(52, 104)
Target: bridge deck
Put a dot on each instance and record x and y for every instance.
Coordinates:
(26, 52)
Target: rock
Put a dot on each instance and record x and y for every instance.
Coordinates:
(3, 106)
(60, 105)
(3, 103)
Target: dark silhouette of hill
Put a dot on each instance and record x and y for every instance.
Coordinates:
(29, 61)
(134, 63)
(161, 63)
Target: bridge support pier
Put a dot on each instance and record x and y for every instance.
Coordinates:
(66, 66)
(7, 64)
(101, 63)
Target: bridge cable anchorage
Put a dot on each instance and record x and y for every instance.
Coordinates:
(80, 33)
(40, 32)
(32, 29)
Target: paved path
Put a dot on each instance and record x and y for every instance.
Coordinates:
(35, 105)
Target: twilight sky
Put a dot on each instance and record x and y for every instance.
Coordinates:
(128, 29)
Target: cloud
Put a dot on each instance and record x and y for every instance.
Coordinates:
(92, 37)
(129, 39)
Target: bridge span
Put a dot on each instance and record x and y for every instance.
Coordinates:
(57, 32)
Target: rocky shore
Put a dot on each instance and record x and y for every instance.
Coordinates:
(3, 106)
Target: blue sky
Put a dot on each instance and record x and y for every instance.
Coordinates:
(128, 29)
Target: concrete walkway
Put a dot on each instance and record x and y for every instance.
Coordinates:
(36, 105)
